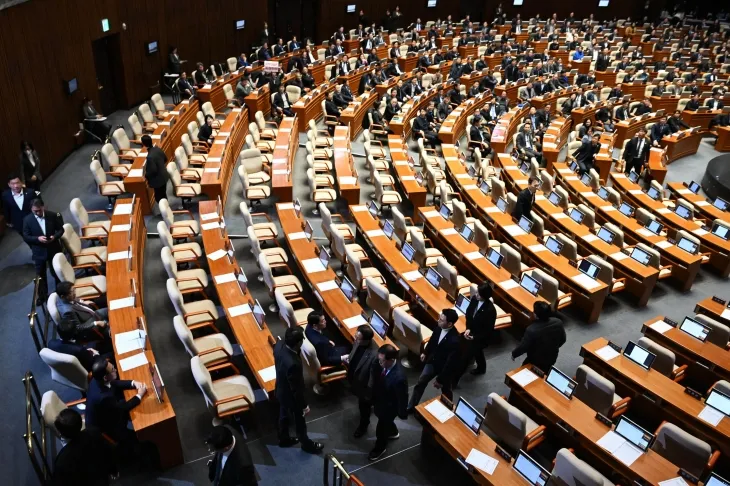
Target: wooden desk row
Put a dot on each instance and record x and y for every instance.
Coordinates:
(706, 208)
(554, 139)
(357, 111)
(347, 177)
(223, 154)
(405, 175)
(714, 309)
(506, 127)
(309, 106)
(401, 124)
(282, 162)
(455, 124)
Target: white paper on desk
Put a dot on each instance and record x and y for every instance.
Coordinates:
(509, 284)
(663, 210)
(619, 255)
(627, 453)
(400, 162)
(210, 226)
(374, 233)
(481, 461)
(521, 182)
(297, 236)
(357, 209)
(118, 228)
(559, 216)
(313, 265)
(572, 178)
(492, 209)
(469, 187)
(710, 415)
(217, 255)
(608, 209)
(674, 482)
(587, 194)
(430, 214)
(539, 197)
(408, 177)
(699, 232)
(537, 248)
(438, 410)
(701, 203)
(211, 170)
(607, 353)
(354, 321)
(280, 171)
(133, 362)
(121, 303)
(473, 255)
(239, 310)
(514, 230)
(225, 278)
(463, 176)
(448, 231)
(413, 275)
(661, 327)
(635, 192)
(136, 173)
(645, 232)
(118, 255)
(589, 237)
(348, 181)
(325, 286)
(611, 441)
(129, 341)
(565, 171)
(121, 209)
(663, 244)
(725, 314)
(268, 374)
(585, 281)
(208, 216)
(524, 377)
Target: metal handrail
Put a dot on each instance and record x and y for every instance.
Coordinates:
(339, 475)
(38, 323)
(37, 448)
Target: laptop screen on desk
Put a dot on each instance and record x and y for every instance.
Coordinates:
(462, 303)
(373, 208)
(638, 436)
(469, 415)
(525, 224)
(589, 269)
(388, 229)
(347, 288)
(530, 284)
(466, 232)
(715, 480)
(297, 207)
(654, 226)
(484, 187)
(720, 204)
(606, 235)
(682, 211)
(694, 329)
(586, 179)
(561, 382)
(433, 277)
(444, 211)
(502, 204)
(529, 469)
(574, 166)
(324, 257)
(637, 354)
(553, 245)
(719, 401)
(524, 168)
(495, 257)
(626, 209)
(407, 251)
(379, 325)
(576, 215)
(687, 245)
(308, 231)
(694, 187)
(720, 230)
(653, 193)
(554, 198)
(640, 256)
(603, 193)
(633, 176)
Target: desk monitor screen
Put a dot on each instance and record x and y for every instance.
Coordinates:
(495, 257)
(347, 288)
(586, 179)
(640, 256)
(626, 209)
(407, 251)
(653, 193)
(574, 166)
(469, 415)
(259, 314)
(419, 178)
(694, 187)
(324, 257)
(466, 232)
(297, 207)
(694, 329)
(655, 226)
(431, 3)
(641, 356)
(603, 3)
(554, 245)
(308, 231)
(687, 245)
(720, 230)
(554, 198)
(524, 168)
(720, 204)
(462, 303)
(71, 85)
(718, 401)
(373, 208)
(633, 176)
(561, 382)
(379, 325)
(589, 269)
(433, 277)
(529, 469)
(151, 47)
(638, 436)
(715, 480)
(606, 235)
(484, 187)
(603, 193)
(530, 284)
(525, 224)
(682, 211)
(444, 211)
(157, 384)
(472, 171)
(577, 215)
(502, 204)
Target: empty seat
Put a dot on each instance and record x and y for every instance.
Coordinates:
(665, 360)
(513, 429)
(357, 272)
(185, 191)
(408, 331)
(111, 159)
(340, 248)
(86, 288)
(605, 274)
(188, 281)
(665, 271)
(482, 237)
(110, 189)
(255, 166)
(91, 257)
(182, 228)
(599, 393)
(225, 396)
(66, 369)
(328, 220)
(684, 449)
(289, 285)
(90, 229)
(188, 252)
(264, 231)
(381, 300)
(423, 255)
(568, 470)
(212, 349)
(550, 291)
(452, 283)
(195, 314)
(512, 260)
(719, 334)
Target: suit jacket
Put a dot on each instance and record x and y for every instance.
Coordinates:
(443, 356)
(542, 341)
(390, 112)
(13, 214)
(602, 62)
(279, 50)
(327, 354)
(289, 378)
(263, 54)
(90, 112)
(641, 109)
(622, 113)
(84, 323)
(32, 230)
(522, 142)
(525, 200)
(476, 135)
(200, 78)
(659, 131)
(511, 72)
(390, 392)
(279, 100)
(80, 351)
(174, 64)
(481, 322)
(205, 133)
(107, 409)
(331, 108)
(88, 459)
(28, 170)
(676, 124)
(360, 372)
(584, 154)
(293, 46)
(714, 104)
(692, 105)
(615, 93)
(155, 171)
(631, 150)
(239, 469)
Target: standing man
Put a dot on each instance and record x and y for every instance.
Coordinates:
(390, 395)
(42, 231)
(585, 154)
(481, 315)
(542, 339)
(290, 391)
(231, 464)
(525, 200)
(440, 358)
(363, 357)
(155, 170)
(16, 203)
(636, 153)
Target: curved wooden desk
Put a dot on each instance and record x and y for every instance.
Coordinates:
(555, 138)
(309, 106)
(681, 144)
(347, 177)
(357, 111)
(401, 124)
(506, 127)
(153, 420)
(282, 162)
(704, 206)
(717, 310)
(723, 139)
(405, 175)
(223, 154)
(455, 124)
(626, 129)
(540, 102)
(700, 119)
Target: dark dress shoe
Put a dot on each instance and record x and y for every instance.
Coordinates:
(315, 448)
(360, 431)
(478, 372)
(291, 441)
(375, 454)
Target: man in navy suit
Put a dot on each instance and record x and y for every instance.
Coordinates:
(389, 397)
(327, 353)
(16, 202)
(66, 344)
(481, 316)
(106, 408)
(42, 231)
(440, 358)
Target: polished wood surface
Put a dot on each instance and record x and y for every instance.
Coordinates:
(282, 162)
(626, 129)
(704, 206)
(716, 310)
(152, 420)
(454, 126)
(681, 144)
(257, 343)
(309, 106)
(723, 139)
(554, 139)
(223, 154)
(347, 177)
(401, 123)
(700, 119)
(259, 100)
(506, 127)
(405, 175)
(357, 111)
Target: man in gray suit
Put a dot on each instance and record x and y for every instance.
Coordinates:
(89, 324)
(363, 356)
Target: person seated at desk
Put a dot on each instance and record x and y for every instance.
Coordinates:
(659, 130)
(88, 324)
(372, 56)
(636, 152)
(242, 61)
(413, 89)
(526, 143)
(715, 103)
(424, 62)
(282, 106)
(294, 44)
(392, 109)
(243, 89)
(186, 89)
(544, 116)
(16, 203)
(327, 353)
(642, 108)
(722, 120)
(586, 153)
(200, 77)
(336, 49)
(480, 136)
(533, 119)
(106, 407)
(659, 89)
(444, 108)
(95, 120)
(578, 54)
(67, 343)
(693, 104)
(604, 120)
(616, 92)
(432, 115)
(307, 80)
(279, 47)
(378, 119)
(474, 90)
(589, 79)
(86, 458)
(205, 133)
(568, 105)
(340, 98)
(296, 81)
(676, 123)
(308, 56)
(422, 128)
(263, 53)
(542, 339)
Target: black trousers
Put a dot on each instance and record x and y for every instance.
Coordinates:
(386, 428)
(365, 407)
(160, 193)
(475, 351)
(41, 269)
(300, 425)
(636, 164)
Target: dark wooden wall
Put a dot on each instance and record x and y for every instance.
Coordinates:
(44, 42)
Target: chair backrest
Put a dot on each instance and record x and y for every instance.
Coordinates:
(286, 311)
(595, 179)
(228, 92)
(682, 448)
(260, 120)
(146, 112)
(185, 335)
(168, 262)
(120, 139)
(378, 297)
(506, 421)
(512, 259)
(378, 183)
(165, 236)
(590, 216)
(338, 243)
(605, 269)
(174, 174)
(665, 359)
(78, 211)
(135, 125)
(498, 189)
(64, 271)
(546, 186)
(614, 197)
(181, 159)
(158, 102)
(549, 287)
(400, 228)
(619, 239)
(71, 240)
(324, 212)
(481, 235)
(254, 240)
(232, 64)
(193, 130)
(267, 273)
(205, 382)
(564, 197)
(109, 156)
(458, 216)
(51, 406)
(719, 333)
(593, 389)
(294, 92)
(52, 305)
(66, 369)
(246, 214)
(407, 329)
(538, 224)
(310, 359)
(571, 471)
(511, 202)
(168, 216)
(643, 216)
(173, 291)
(208, 109)
(419, 245)
(449, 280)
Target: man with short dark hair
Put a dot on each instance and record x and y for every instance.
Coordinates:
(42, 231)
(390, 397)
(542, 339)
(481, 316)
(636, 152)
(327, 353)
(440, 358)
(362, 358)
(16, 202)
(232, 464)
(155, 171)
(87, 324)
(67, 343)
(525, 200)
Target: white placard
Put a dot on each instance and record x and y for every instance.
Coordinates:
(121, 209)
(585, 281)
(118, 228)
(313, 265)
(216, 255)
(136, 173)
(118, 255)
(239, 310)
(481, 461)
(619, 255)
(514, 230)
(524, 377)
(329, 285)
(297, 236)
(413, 275)
(509, 284)
(132, 362)
(607, 353)
(711, 416)
(210, 226)
(225, 278)
(431, 214)
(121, 303)
(208, 216)
(438, 410)
(661, 327)
(348, 181)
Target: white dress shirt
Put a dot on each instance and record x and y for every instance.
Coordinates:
(444, 332)
(225, 455)
(41, 223)
(19, 199)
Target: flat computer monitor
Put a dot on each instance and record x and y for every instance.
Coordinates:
(530, 284)
(525, 224)
(467, 233)
(554, 198)
(626, 209)
(630, 431)
(484, 187)
(561, 382)
(653, 193)
(603, 193)
(373, 208)
(151, 47)
(719, 401)
(574, 166)
(687, 245)
(419, 178)
(695, 329)
(715, 480)
(720, 204)
(388, 229)
(472, 171)
(348, 289)
(606, 235)
(586, 179)
(259, 314)
(407, 251)
(469, 415)
(324, 257)
(433, 277)
(530, 470)
(720, 231)
(694, 187)
(71, 86)
(495, 258)
(640, 256)
(379, 325)
(682, 211)
(589, 268)
(502, 204)
(633, 176)
(554, 245)
(431, 3)
(654, 226)
(297, 207)
(641, 356)
(462, 303)
(577, 215)
(351, 8)
(240, 24)
(308, 231)
(444, 211)
(524, 168)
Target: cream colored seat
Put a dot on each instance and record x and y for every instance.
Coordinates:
(147, 117)
(568, 470)
(427, 156)
(292, 317)
(373, 147)
(402, 225)
(182, 252)
(98, 230)
(255, 166)
(86, 288)
(513, 429)
(196, 151)
(482, 237)
(550, 291)
(321, 137)
(195, 314)
(187, 173)
(319, 194)
(232, 64)
(589, 219)
(185, 191)
(275, 256)
(605, 274)
(599, 393)
(268, 129)
(231, 100)
(381, 166)
(547, 182)
(289, 285)
(423, 255)
(452, 283)
(384, 197)
(665, 271)
(91, 257)
(111, 159)
(318, 153)
(110, 189)
(225, 396)
(411, 333)
(618, 240)
(684, 450)
(323, 375)
(340, 247)
(512, 261)
(122, 143)
(719, 334)
(569, 249)
(161, 108)
(212, 349)
(665, 361)
(381, 300)
(188, 281)
(183, 228)
(328, 219)
(260, 143)
(460, 215)
(52, 406)
(66, 369)
(358, 273)
(255, 194)
(264, 231)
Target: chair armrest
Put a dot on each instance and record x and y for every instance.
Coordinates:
(92, 255)
(233, 399)
(76, 402)
(81, 286)
(534, 438)
(184, 211)
(95, 228)
(665, 267)
(189, 175)
(565, 296)
(203, 324)
(283, 265)
(185, 249)
(200, 313)
(191, 279)
(214, 350)
(619, 408)
(713, 459)
(188, 191)
(100, 211)
(263, 215)
(297, 299)
(678, 374)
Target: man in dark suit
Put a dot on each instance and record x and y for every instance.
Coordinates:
(263, 53)
(232, 464)
(511, 71)
(95, 120)
(526, 143)
(525, 200)
(542, 339)
(279, 47)
(715, 103)
(327, 353)
(642, 108)
(389, 395)
(265, 34)
(660, 130)
(106, 407)
(42, 231)
(155, 171)
(422, 128)
(478, 137)
(16, 203)
(440, 358)
(585, 154)
(616, 92)
(362, 359)
(86, 323)
(290, 391)
(636, 152)
(603, 60)
(481, 316)
(67, 344)
(86, 458)
(392, 109)
(281, 102)
(693, 104)
(622, 112)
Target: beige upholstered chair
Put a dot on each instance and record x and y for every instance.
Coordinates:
(319, 194)
(691, 237)
(452, 283)
(161, 108)
(87, 288)
(619, 238)
(323, 375)
(225, 396)
(460, 215)
(111, 160)
(123, 145)
(402, 225)
(569, 249)
(185, 191)
(684, 450)
(665, 362)
(98, 230)
(188, 252)
(384, 197)
(289, 285)
(357, 272)
(381, 300)
(91, 257)
(52, 406)
(568, 470)
(482, 238)
(424, 256)
(340, 248)
(182, 228)
(66, 369)
(264, 231)
(599, 393)
(110, 189)
(275, 256)
(411, 333)
(187, 172)
(328, 219)
(194, 280)
(665, 271)
(513, 429)
(147, 117)
(512, 260)
(197, 152)
(195, 314)
(719, 334)
(605, 274)
(255, 166)
(292, 317)
(550, 290)
(212, 349)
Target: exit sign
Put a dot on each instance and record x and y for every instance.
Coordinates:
(105, 25)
